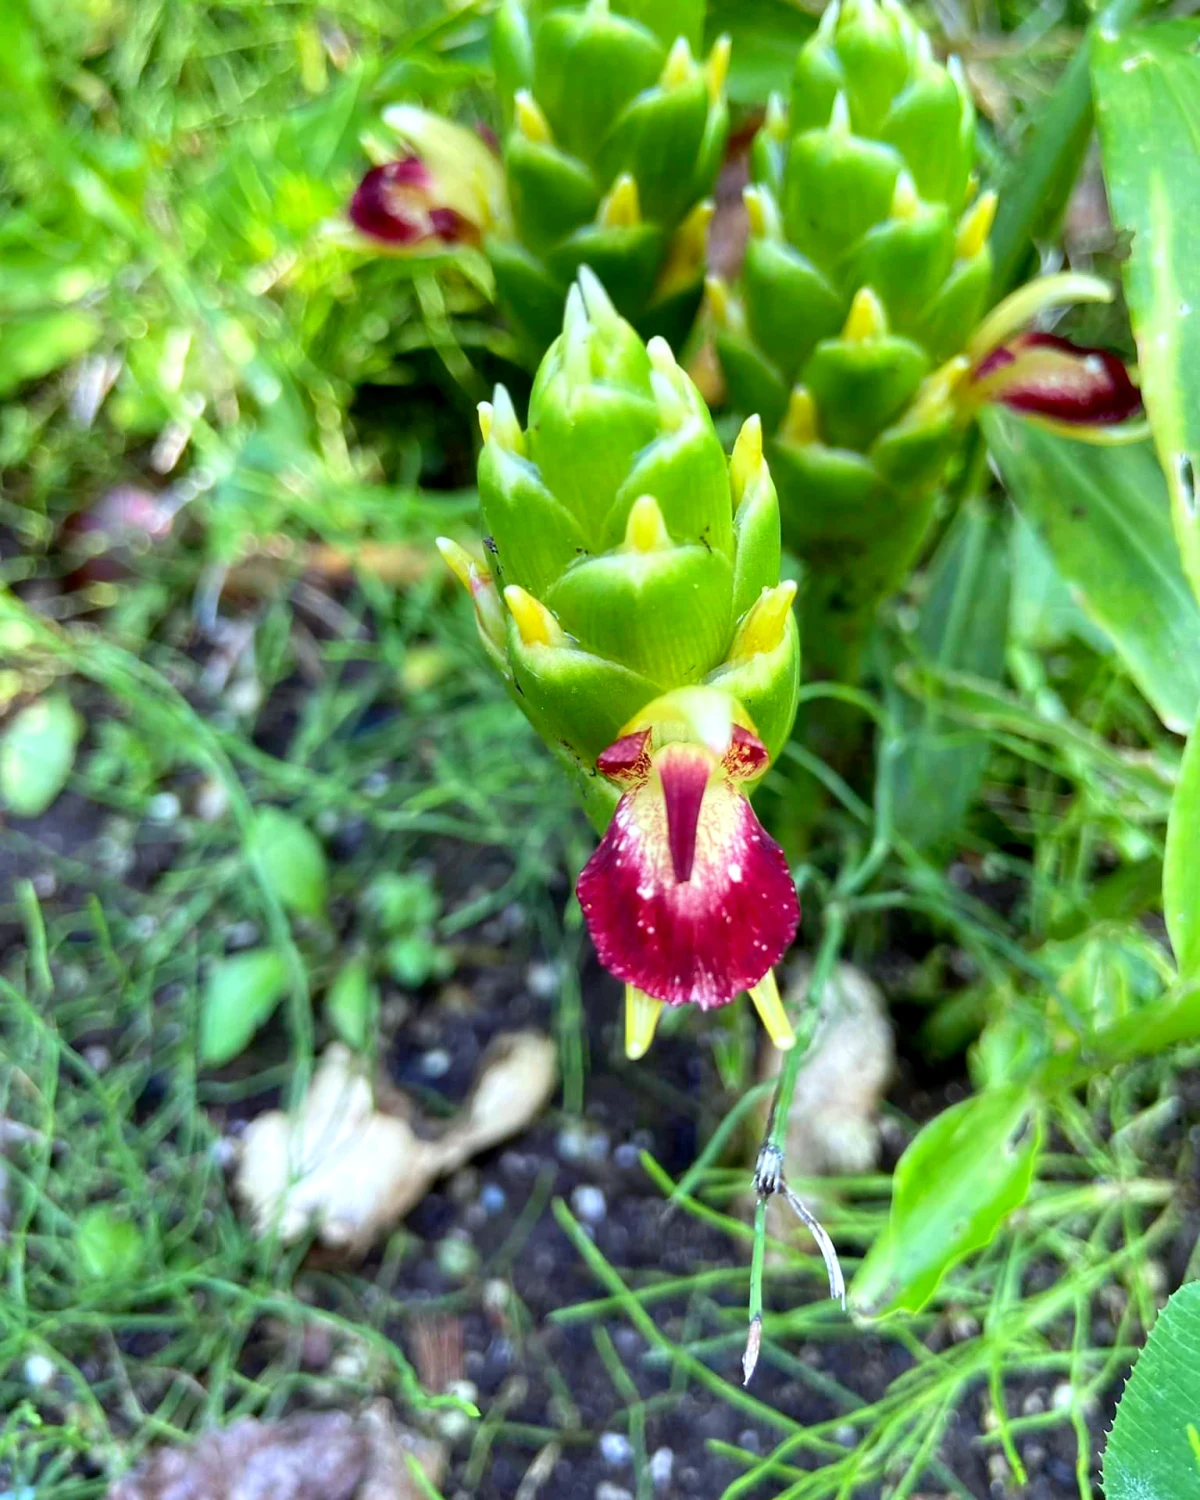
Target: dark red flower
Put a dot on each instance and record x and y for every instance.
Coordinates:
(687, 898)
(398, 204)
(1047, 376)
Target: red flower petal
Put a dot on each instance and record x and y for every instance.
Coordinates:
(706, 937)
(1050, 377)
(394, 203)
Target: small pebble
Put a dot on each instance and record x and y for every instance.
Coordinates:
(39, 1371)
(436, 1064)
(588, 1203)
(375, 784)
(543, 980)
(846, 1434)
(241, 935)
(164, 807)
(597, 1146)
(627, 1155)
(327, 822)
(748, 1439)
(493, 1199)
(1062, 1396)
(212, 801)
(45, 883)
(571, 1142)
(616, 1449)
(662, 1461)
(144, 926)
(606, 1490)
(497, 1294)
(98, 1058)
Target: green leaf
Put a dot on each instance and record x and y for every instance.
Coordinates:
(37, 753)
(965, 1172)
(109, 1248)
(1104, 514)
(1181, 869)
(934, 765)
(766, 36)
(415, 960)
(291, 859)
(36, 346)
(1153, 1452)
(352, 1004)
(1035, 191)
(1147, 87)
(239, 996)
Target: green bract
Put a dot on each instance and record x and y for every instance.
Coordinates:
(634, 559)
(865, 274)
(613, 137)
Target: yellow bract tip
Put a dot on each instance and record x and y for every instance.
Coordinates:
(716, 298)
(531, 122)
(975, 226)
(905, 202)
(535, 624)
(486, 416)
(765, 624)
(747, 457)
(678, 67)
(620, 209)
(799, 425)
(771, 1013)
(775, 121)
(866, 318)
(716, 70)
(458, 560)
(756, 212)
(641, 1021)
(646, 531)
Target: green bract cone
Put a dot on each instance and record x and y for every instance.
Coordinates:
(627, 557)
(614, 134)
(866, 272)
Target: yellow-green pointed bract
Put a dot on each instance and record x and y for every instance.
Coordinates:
(615, 127)
(631, 556)
(866, 271)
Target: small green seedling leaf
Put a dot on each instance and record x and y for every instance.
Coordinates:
(37, 753)
(958, 1181)
(352, 1004)
(1181, 868)
(1153, 1452)
(238, 998)
(415, 960)
(109, 1247)
(291, 859)
(403, 903)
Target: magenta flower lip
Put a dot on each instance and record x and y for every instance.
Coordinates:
(1047, 376)
(396, 203)
(687, 897)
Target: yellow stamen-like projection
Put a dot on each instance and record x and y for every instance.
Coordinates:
(531, 122)
(746, 461)
(765, 996)
(646, 531)
(799, 423)
(764, 626)
(621, 209)
(678, 67)
(975, 226)
(866, 318)
(641, 1021)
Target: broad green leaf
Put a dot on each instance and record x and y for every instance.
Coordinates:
(1147, 89)
(240, 994)
(109, 1247)
(1037, 187)
(935, 765)
(1105, 516)
(352, 1004)
(1181, 867)
(1043, 613)
(965, 1172)
(291, 859)
(36, 754)
(1153, 1451)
